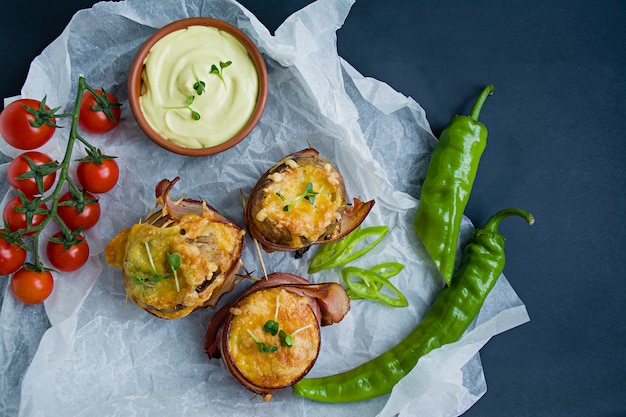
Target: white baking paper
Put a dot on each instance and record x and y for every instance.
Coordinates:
(104, 357)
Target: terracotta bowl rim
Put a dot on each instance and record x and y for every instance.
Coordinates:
(134, 85)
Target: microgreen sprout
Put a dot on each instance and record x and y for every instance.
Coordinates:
(272, 326)
(263, 348)
(199, 85)
(174, 260)
(218, 71)
(308, 194)
(188, 102)
(155, 277)
(286, 340)
(139, 280)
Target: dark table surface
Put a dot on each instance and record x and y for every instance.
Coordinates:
(557, 147)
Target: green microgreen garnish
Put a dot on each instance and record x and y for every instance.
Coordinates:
(199, 85)
(308, 194)
(174, 260)
(155, 277)
(188, 102)
(218, 71)
(272, 326)
(286, 340)
(263, 348)
(137, 279)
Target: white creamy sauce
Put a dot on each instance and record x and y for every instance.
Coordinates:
(172, 68)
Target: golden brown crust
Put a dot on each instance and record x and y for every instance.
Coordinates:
(209, 248)
(115, 251)
(280, 218)
(252, 352)
(286, 365)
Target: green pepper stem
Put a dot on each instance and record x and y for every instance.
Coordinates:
(491, 225)
(487, 91)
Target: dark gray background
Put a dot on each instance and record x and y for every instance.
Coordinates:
(557, 147)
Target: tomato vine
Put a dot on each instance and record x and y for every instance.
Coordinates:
(51, 204)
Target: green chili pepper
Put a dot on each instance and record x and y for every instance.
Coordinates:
(370, 283)
(447, 186)
(343, 251)
(452, 312)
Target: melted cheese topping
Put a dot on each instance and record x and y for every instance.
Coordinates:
(206, 247)
(304, 220)
(286, 365)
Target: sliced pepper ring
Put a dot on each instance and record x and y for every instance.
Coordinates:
(344, 251)
(369, 284)
(385, 270)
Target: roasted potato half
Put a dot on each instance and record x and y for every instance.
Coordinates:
(180, 258)
(270, 337)
(301, 201)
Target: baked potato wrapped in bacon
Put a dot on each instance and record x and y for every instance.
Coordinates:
(182, 257)
(302, 201)
(269, 338)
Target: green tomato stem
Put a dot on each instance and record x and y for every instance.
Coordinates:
(63, 177)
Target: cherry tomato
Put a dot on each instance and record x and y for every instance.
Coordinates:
(18, 220)
(31, 287)
(98, 178)
(20, 166)
(69, 259)
(70, 215)
(25, 129)
(93, 118)
(12, 256)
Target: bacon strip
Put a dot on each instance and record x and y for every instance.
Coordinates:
(329, 302)
(331, 298)
(177, 208)
(213, 334)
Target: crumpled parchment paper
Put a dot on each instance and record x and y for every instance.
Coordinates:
(104, 357)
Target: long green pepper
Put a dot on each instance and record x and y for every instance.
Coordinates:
(452, 312)
(447, 186)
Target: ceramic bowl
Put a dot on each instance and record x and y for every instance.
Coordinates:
(136, 86)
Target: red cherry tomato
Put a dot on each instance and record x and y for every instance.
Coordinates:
(17, 220)
(27, 127)
(67, 259)
(93, 118)
(98, 178)
(20, 166)
(12, 256)
(31, 287)
(88, 216)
